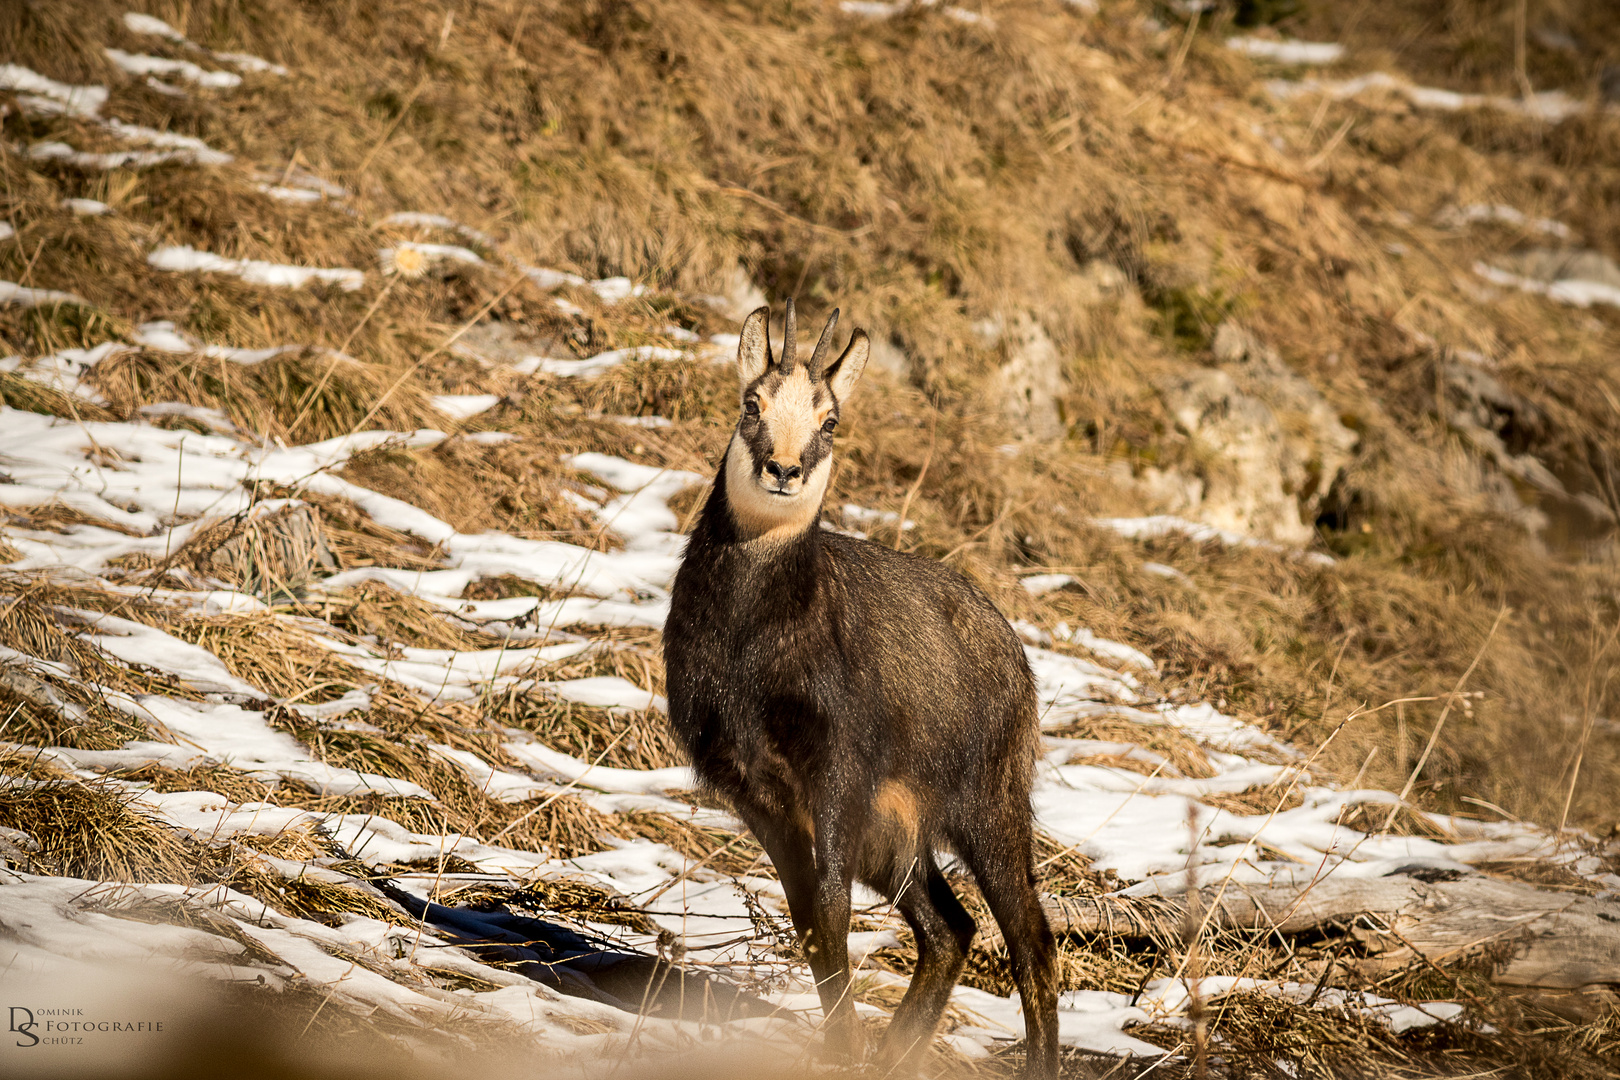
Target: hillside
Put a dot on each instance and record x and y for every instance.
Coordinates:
(363, 365)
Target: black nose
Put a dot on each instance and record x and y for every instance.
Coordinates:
(783, 473)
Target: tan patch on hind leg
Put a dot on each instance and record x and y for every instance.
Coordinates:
(896, 806)
(893, 835)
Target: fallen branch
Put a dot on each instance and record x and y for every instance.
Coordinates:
(1557, 941)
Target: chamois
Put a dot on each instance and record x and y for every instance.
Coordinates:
(860, 708)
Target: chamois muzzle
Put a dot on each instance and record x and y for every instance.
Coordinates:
(783, 479)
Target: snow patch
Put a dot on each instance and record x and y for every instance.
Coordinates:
(1148, 528)
(182, 259)
(409, 257)
(24, 296)
(1549, 105)
(1455, 217)
(1569, 291)
(1286, 51)
(141, 64)
(464, 406)
(592, 366)
(86, 207)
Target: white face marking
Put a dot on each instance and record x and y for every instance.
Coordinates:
(760, 511)
(791, 417)
(779, 461)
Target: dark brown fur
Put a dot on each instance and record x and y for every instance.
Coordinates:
(863, 708)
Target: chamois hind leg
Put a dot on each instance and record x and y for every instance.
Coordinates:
(943, 930)
(1001, 856)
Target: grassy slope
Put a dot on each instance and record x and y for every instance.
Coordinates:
(926, 174)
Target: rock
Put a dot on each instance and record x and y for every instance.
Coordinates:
(737, 294)
(1030, 381)
(1246, 475)
(1271, 446)
(497, 342)
(1169, 490)
(1098, 281)
(886, 355)
(1504, 428)
(1031, 384)
(1235, 345)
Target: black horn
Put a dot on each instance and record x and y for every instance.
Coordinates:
(788, 333)
(818, 359)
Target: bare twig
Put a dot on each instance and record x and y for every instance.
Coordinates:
(1434, 736)
(1589, 720)
(905, 506)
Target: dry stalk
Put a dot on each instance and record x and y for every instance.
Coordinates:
(1191, 932)
(1434, 736)
(1588, 722)
(911, 493)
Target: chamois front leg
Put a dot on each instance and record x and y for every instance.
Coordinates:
(837, 842)
(793, 852)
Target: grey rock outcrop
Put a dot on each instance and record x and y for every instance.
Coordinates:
(1030, 381)
(1267, 444)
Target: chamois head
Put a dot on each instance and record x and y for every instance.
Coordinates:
(781, 455)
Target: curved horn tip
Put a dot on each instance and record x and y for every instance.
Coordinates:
(818, 359)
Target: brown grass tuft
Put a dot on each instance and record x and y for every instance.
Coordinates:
(374, 609)
(96, 832)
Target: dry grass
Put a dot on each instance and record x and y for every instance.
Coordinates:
(515, 487)
(864, 165)
(272, 653)
(624, 740)
(18, 392)
(374, 609)
(308, 898)
(720, 850)
(931, 207)
(1264, 800)
(1180, 750)
(297, 397)
(95, 832)
(355, 540)
(234, 784)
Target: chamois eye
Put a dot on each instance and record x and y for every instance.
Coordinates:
(832, 422)
(750, 407)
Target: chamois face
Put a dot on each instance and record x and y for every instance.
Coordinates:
(781, 454)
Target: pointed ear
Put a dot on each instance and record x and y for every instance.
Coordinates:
(754, 350)
(843, 373)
